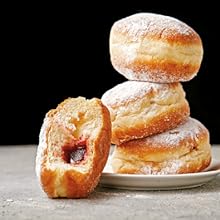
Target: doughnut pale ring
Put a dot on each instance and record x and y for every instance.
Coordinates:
(184, 149)
(141, 109)
(73, 147)
(155, 48)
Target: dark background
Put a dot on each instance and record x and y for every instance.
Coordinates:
(59, 51)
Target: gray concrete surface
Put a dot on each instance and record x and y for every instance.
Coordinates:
(21, 197)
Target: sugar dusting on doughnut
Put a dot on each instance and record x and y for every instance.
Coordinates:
(155, 25)
(171, 167)
(143, 73)
(190, 130)
(132, 90)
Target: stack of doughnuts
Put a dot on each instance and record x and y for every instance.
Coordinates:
(151, 125)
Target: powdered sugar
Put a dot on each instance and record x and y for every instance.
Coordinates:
(167, 167)
(153, 75)
(131, 90)
(129, 52)
(189, 130)
(141, 24)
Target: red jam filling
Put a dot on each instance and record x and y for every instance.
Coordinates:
(74, 153)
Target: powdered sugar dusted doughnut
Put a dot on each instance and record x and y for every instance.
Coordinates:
(140, 109)
(184, 149)
(156, 48)
(73, 148)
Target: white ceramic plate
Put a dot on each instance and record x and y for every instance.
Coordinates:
(159, 182)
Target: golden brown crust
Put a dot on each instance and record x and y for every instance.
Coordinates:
(147, 127)
(47, 181)
(167, 71)
(141, 109)
(185, 149)
(73, 119)
(155, 48)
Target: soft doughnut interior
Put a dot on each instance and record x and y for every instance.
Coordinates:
(69, 125)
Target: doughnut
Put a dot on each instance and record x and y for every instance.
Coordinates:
(140, 109)
(184, 149)
(155, 48)
(74, 144)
